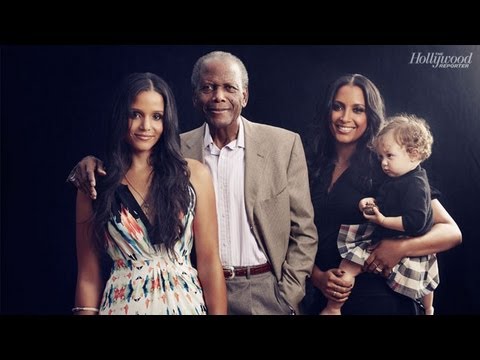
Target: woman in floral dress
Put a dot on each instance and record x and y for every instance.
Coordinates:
(153, 209)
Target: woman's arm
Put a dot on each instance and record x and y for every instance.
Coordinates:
(445, 234)
(209, 267)
(89, 278)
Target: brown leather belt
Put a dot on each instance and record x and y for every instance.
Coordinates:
(231, 271)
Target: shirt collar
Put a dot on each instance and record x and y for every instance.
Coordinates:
(239, 142)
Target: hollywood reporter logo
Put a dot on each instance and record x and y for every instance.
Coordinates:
(438, 60)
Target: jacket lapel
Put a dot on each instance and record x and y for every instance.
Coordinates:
(192, 144)
(255, 156)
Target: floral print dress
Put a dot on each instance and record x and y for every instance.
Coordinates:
(145, 278)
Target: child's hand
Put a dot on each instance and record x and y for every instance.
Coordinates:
(369, 209)
(373, 214)
(365, 205)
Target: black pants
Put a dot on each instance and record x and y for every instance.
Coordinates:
(370, 296)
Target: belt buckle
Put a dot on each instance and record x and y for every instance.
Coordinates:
(232, 269)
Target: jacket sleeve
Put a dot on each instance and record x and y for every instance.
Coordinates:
(302, 247)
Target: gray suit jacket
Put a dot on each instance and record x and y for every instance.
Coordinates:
(277, 199)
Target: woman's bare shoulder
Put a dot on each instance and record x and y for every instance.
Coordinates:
(198, 171)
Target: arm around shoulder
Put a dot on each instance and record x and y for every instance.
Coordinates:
(82, 175)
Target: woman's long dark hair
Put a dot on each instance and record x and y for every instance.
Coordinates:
(168, 192)
(322, 154)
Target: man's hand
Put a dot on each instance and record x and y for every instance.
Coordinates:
(82, 175)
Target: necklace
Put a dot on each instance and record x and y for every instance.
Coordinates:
(144, 205)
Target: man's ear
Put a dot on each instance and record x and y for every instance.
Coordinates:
(245, 98)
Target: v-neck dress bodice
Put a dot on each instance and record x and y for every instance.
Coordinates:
(145, 278)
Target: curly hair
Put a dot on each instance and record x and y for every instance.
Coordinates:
(409, 131)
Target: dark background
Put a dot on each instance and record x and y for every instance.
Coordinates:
(53, 98)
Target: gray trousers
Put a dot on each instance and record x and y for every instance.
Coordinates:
(255, 295)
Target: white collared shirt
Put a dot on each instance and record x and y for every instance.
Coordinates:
(238, 246)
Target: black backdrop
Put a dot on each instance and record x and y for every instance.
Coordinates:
(53, 98)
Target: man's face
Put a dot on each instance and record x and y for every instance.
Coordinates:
(220, 95)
